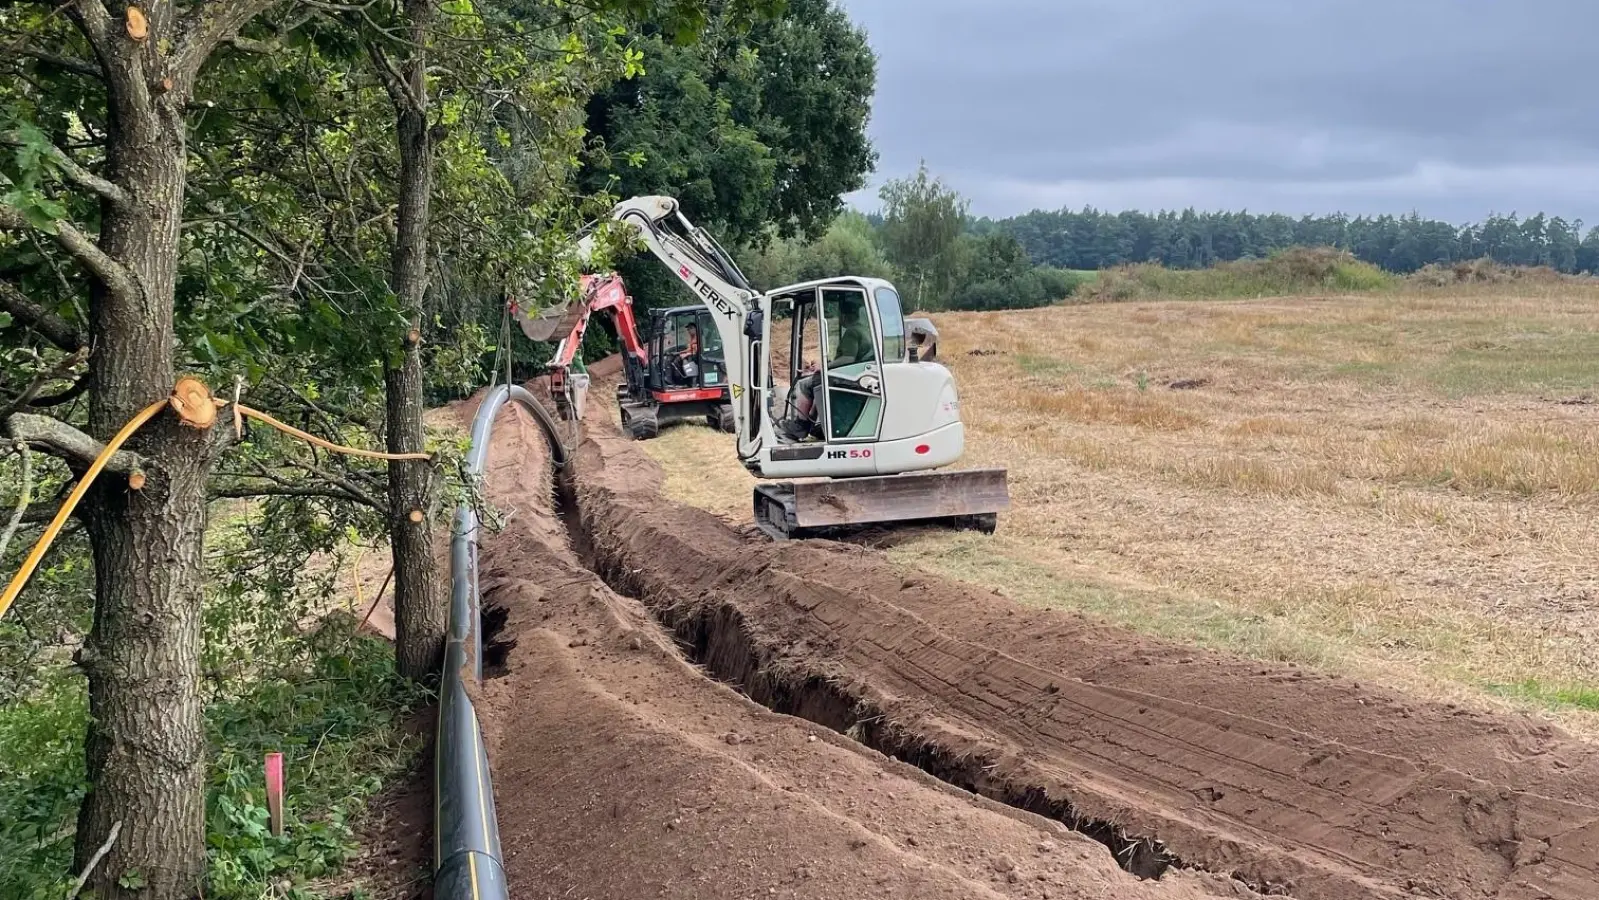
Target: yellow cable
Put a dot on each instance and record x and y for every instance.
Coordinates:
(326, 445)
(32, 562)
(191, 400)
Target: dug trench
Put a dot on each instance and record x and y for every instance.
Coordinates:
(622, 770)
(1181, 763)
(717, 637)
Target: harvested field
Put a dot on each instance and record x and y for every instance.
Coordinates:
(1038, 753)
(1400, 489)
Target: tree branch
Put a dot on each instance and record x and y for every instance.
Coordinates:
(50, 326)
(326, 492)
(24, 497)
(66, 396)
(393, 81)
(77, 66)
(74, 172)
(25, 399)
(67, 441)
(94, 20)
(83, 879)
(40, 515)
(346, 485)
(250, 45)
(209, 24)
(117, 279)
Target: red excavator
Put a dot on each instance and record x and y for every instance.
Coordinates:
(676, 371)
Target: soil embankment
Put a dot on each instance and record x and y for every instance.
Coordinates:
(623, 771)
(1177, 761)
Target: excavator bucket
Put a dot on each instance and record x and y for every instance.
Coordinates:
(550, 323)
(965, 498)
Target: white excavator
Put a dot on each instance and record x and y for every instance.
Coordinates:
(847, 424)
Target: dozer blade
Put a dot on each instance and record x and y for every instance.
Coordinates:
(966, 498)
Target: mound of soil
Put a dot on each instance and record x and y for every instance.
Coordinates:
(623, 771)
(1178, 761)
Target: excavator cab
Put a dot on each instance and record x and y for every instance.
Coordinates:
(683, 375)
(686, 350)
(838, 335)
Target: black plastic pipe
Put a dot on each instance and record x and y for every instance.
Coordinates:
(466, 836)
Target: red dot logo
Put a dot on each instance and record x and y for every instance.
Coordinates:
(923, 449)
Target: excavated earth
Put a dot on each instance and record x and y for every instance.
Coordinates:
(680, 708)
(623, 771)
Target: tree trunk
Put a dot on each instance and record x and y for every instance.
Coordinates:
(145, 746)
(419, 607)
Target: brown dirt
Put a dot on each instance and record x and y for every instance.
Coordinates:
(1293, 783)
(396, 835)
(622, 771)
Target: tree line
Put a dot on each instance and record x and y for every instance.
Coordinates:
(922, 235)
(1097, 239)
(924, 239)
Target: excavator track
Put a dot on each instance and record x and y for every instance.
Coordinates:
(966, 499)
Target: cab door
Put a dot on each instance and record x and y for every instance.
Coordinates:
(852, 365)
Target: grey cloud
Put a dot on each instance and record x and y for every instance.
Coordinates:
(1317, 104)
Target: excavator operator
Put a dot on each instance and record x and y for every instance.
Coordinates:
(855, 345)
(685, 366)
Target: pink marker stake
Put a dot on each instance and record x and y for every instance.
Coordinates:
(274, 791)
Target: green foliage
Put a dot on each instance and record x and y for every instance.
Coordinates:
(338, 721)
(1096, 239)
(923, 220)
(1028, 289)
(1000, 276)
(757, 132)
(749, 128)
(337, 715)
(41, 783)
(1294, 271)
(1481, 271)
(849, 247)
(33, 157)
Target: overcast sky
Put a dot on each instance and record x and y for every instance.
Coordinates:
(1453, 108)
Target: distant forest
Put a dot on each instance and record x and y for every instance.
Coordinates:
(1092, 239)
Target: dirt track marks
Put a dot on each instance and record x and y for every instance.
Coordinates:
(1257, 772)
(622, 772)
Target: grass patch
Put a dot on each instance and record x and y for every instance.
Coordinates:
(1528, 460)
(979, 562)
(1286, 272)
(1519, 363)
(1533, 691)
(337, 718)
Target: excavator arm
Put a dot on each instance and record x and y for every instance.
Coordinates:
(600, 293)
(712, 276)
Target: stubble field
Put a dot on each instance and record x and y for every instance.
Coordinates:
(1398, 488)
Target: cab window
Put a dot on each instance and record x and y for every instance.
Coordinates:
(849, 328)
(893, 322)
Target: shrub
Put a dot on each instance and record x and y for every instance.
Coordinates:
(1298, 270)
(1042, 286)
(1481, 271)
